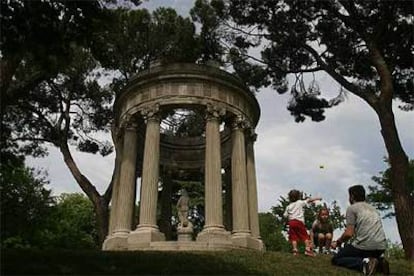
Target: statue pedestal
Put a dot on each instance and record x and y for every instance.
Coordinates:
(185, 233)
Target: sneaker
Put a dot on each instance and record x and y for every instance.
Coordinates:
(384, 266)
(295, 252)
(369, 265)
(309, 252)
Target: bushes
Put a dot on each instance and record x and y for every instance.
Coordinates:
(394, 250)
(271, 233)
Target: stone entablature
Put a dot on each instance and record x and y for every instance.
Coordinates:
(231, 114)
(185, 85)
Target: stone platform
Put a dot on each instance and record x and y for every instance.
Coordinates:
(189, 246)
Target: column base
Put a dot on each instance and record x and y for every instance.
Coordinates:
(115, 242)
(245, 239)
(214, 234)
(143, 236)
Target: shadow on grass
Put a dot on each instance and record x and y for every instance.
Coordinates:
(59, 262)
(33, 262)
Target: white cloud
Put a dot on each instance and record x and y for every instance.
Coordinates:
(96, 168)
(181, 6)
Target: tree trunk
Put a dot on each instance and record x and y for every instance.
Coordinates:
(102, 219)
(100, 204)
(403, 201)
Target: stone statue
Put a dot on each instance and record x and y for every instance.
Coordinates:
(182, 208)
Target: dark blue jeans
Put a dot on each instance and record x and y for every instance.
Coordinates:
(351, 257)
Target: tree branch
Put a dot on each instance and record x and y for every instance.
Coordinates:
(83, 181)
(387, 89)
(225, 23)
(38, 113)
(108, 193)
(33, 139)
(369, 98)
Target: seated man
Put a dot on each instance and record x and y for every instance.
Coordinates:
(363, 224)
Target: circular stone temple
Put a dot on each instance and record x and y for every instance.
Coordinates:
(219, 151)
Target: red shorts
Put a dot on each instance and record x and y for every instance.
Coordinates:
(297, 231)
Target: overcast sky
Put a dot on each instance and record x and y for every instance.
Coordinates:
(321, 159)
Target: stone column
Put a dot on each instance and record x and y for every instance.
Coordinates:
(252, 188)
(124, 196)
(117, 137)
(241, 232)
(228, 198)
(147, 229)
(213, 230)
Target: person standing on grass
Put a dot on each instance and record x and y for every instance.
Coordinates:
(363, 224)
(296, 222)
(322, 231)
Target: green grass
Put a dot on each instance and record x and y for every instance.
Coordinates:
(30, 262)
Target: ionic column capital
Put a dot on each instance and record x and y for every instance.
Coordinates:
(129, 122)
(131, 125)
(214, 112)
(240, 122)
(151, 113)
(251, 135)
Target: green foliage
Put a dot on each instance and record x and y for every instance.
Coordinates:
(394, 251)
(72, 225)
(37, 42)
(43, 115)
(302, 37)
(25, 203)
(271, 233)
(32, 218)
(185, 123)
(130, 40)
(211, 32)
(380, 195)
(172, 37)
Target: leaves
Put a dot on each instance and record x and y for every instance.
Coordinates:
(271, 233)
(381, 194)
(25, 203)
(340, 38)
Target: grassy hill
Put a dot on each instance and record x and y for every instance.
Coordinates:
(29, 262)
